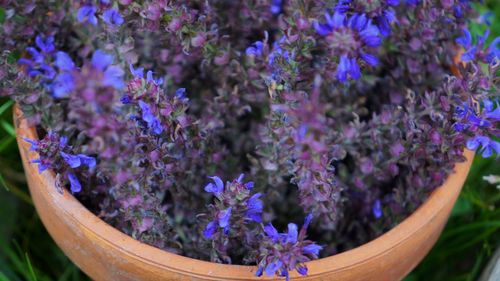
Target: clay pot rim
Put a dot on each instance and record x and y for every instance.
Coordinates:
(97, 228)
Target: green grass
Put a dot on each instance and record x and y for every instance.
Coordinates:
(28, 253)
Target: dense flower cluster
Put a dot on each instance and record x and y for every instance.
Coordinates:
(346, 113)
(54, 153)
(280, 253)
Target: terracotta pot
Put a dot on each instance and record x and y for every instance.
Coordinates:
(104, 253)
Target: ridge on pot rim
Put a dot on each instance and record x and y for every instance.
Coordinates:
(105, 253)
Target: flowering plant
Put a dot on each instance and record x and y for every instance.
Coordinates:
(345, 114)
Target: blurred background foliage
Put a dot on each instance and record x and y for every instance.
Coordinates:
(467, 244)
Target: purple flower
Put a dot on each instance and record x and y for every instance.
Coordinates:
(216, 188)
(41, 165)
(302, 270)
(64, 62)
(40, 61)
(466, 40)
(112, 17)
(137, 73)
(385, 20)
(255, 206)
(181, 94)
(273, 266)
(34, 144)
(282, 252)
(307, 221)
(152, 121)
(256, 49)
(74, 183)
(377, 209)
(348, 67)
(210, 229)
(352, 36)
(47, 45)
(312, 249)
(271, 232)
(113, 77)
(278, 52)
(72, 160)
(36, 56)
(101, 60)
(63, 85)
(88, 161)
(276, 7)
(87, 14)
(412, 2)
(149, 78)
(112, 74)
(75, 161)
(489, 146)
(343, 6)
(381, 12)
(224, 218)
(491, 113)
(292, 234)
(474, 51)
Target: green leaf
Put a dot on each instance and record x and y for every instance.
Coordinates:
(2, 15)
(6, 106)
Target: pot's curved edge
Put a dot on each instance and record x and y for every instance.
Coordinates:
(197, 268)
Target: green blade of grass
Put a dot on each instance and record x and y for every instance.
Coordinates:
(6, 106)
(30, 267)
(8, 128)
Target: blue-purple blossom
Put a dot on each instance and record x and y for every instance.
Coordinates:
(64, 62)
(136, 72)
(41, 165)
(224, 218)
(113, 74)
(153, 123)
(216, 187)
(255, 206)
(377, 209)
(348, 68)
(273, 266)
(490, 111)
(64, 82)
(34, 144)
(478, 50)
(75, 185)
(278, 52)
(75, 161)
(40, 61)
(286, 251)
(46, 45)
(139, 73)
(276, 7)
(150, 78)
(112, 17)
(381, 12)
(488, 146)
(234, 205)
(312, 249)
(86, 13)
(210, 229)
(63, 85)
(256, 49)
(342, 34)
(181, 94)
